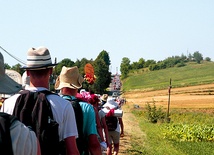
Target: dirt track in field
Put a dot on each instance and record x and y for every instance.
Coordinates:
(192, 97)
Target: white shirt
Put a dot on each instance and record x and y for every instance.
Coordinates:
(63, 112)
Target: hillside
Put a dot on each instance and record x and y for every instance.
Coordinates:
(189, 75)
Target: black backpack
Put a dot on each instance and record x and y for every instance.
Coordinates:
(111, 122)
(33, 109)
(81, 140)
(5, 139)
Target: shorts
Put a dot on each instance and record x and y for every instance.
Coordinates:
(114, 137)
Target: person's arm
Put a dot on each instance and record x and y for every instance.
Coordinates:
(105, 130)
(99, 127)
(71, 147)
(94, 145)
(38, 148)
(121, 126)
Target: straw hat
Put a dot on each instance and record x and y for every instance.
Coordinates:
(8, 85)
(69, 77)
(104, 97)
(38, 58)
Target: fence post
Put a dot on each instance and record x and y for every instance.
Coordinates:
(169, 91)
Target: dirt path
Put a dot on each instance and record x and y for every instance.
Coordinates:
(194, 97)
(131, 130)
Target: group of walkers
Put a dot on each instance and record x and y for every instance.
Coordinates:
(81, 122)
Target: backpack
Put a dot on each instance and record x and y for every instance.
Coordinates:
(111, 122)
(81, 141)
(33, 109)
(5, 139)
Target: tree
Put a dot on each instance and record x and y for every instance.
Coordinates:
(103, 76)
(208, 59)
(104, 56)
(141, 63)
(65, 62)
(18, 68)
(149, 62)
(6, 66)
(198, 57)
(125, 67)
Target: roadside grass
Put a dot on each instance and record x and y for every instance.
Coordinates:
(156, 144)
(189, 75)
(155, 141)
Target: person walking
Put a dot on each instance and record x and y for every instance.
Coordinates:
(114, 135)
(23, 140)
(39, 68)
(68, 82)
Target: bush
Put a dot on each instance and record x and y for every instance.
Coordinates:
(153, 113)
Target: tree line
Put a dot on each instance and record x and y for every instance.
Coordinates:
(101, 70)
(175, 61)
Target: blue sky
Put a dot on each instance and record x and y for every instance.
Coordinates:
(149, 29)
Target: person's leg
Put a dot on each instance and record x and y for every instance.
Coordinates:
(109, 148)
(116, 149)
(116, 140)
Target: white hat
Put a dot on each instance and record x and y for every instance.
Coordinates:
(7, 85)
(110, 103)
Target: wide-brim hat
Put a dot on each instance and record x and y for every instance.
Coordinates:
(69, 77)
(7, 85)
(104, 97)
(38, 58)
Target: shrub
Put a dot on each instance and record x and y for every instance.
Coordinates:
(153, 113)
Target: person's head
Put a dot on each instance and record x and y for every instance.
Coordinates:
(94, 100)
(69, 78)
(39, 66)
(7, 85)
(104, 97)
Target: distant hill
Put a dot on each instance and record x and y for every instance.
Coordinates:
(189, 75)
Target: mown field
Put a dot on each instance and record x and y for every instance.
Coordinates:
(191, 108)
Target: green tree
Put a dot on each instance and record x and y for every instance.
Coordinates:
(149, 62)
(104, 56)
(18, 68)
(103, 76)
(141, 63)
(198, 57)
(6, 66)
(65, 62)
(134, 65)
(125, 67)
(208, 59)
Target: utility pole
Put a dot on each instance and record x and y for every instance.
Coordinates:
(169, 91)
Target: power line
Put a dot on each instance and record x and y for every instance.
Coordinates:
(19, 60)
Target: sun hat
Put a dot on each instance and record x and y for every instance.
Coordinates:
(104, 97)
(16, 76)
(38, 58)
(69, 77)
(7, 85)
(110, 103)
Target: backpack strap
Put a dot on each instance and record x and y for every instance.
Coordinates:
(5, 139)
(81, 140)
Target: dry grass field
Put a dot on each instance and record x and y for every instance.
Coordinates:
(194, 97)
(201, 96)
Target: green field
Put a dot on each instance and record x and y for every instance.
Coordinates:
(192, 74)
(189, 132)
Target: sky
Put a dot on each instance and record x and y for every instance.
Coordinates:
(148, 29)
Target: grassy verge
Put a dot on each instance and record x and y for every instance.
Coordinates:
(156, 144)
(192, 74)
